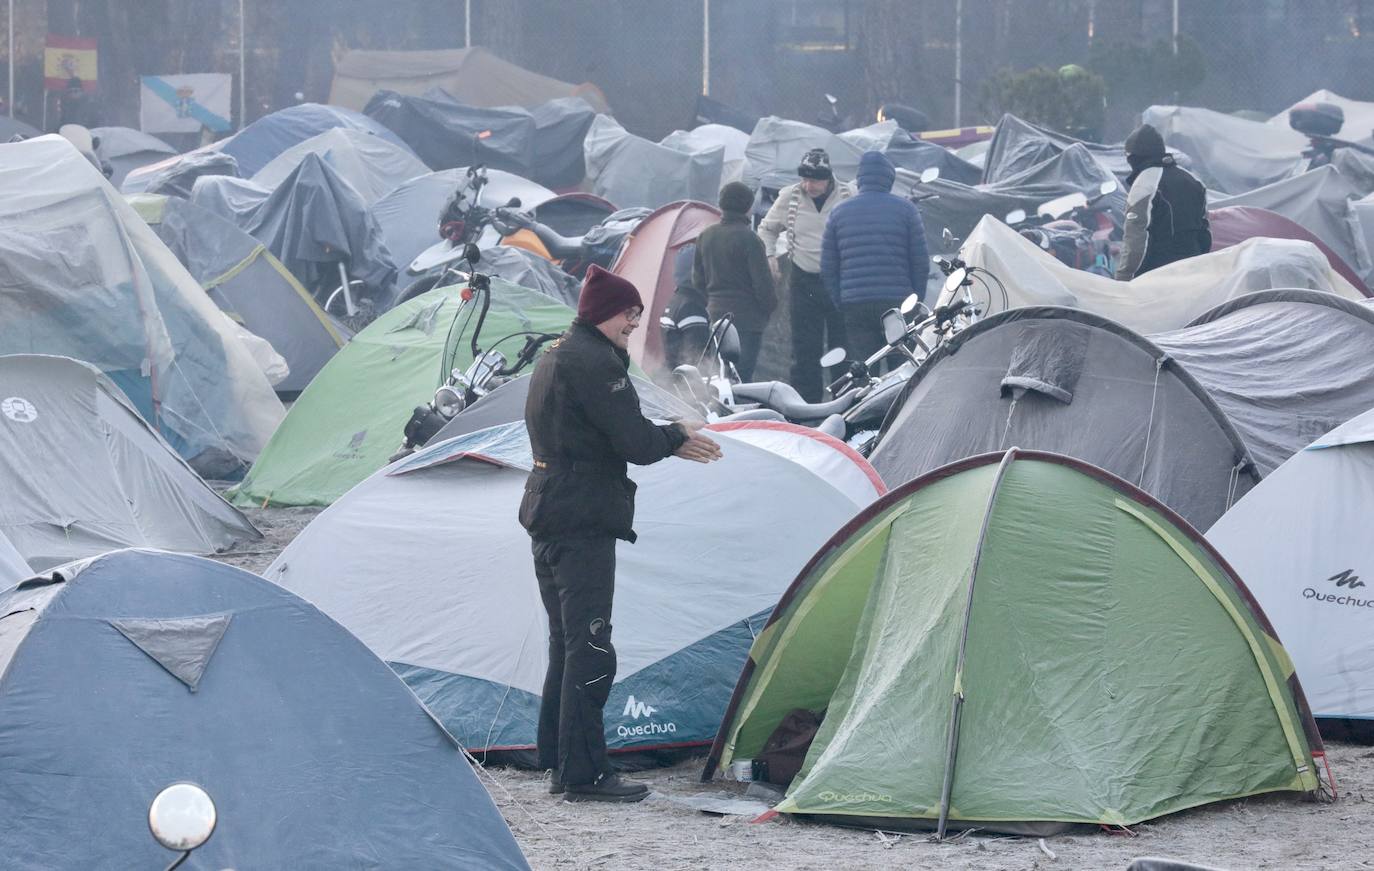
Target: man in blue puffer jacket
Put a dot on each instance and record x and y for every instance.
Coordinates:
(873, 254)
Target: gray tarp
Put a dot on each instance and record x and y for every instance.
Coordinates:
(248, 283)
(177, 176)
(81, 274)
(776, 147)
(530, 270)
(1359, 115)
(13, 569)
(82, 473)
(257, 144)
(125, 148)
(1018, 145)
(1229, 154)
(290, 715)
(708, 136)
(373, 165)
(632, 172)
(312, 221)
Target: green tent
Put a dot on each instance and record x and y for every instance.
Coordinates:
(1021, 641)
(350, 418)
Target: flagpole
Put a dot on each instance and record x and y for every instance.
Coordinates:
(243, 90)
(10, 19)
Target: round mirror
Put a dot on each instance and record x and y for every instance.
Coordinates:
(955, 280)
(513, 203)
(833, 357)
(472, 254)
(1108, 187)
(930, 174)
(182, 817)
(894, 326)
(909, 304)
(1016, 216)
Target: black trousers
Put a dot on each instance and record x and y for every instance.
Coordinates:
(863, 327)
(750, 341)
(817, 326)
(576, 583)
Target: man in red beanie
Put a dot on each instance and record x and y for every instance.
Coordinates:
(585, 425)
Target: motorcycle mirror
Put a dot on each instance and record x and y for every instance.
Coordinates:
(472, 254)
(929, 174)
(182, 817)
(909, 304)
(956, 280)
(513, 203)
(1108, 187)
(894, 326)
(947, 237)
(833, 357)
(729, 344)
(1015, 216)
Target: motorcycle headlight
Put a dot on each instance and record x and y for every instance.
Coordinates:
(448, 402)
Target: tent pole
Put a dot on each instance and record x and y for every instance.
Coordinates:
(958, 62)
(1175, 29)
(10, 20)
(467, 23)
(957, 705)
(243, 89)
(706, 47)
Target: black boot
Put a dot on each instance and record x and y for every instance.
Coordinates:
(607, 787)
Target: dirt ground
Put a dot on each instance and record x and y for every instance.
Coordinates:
(665, 834)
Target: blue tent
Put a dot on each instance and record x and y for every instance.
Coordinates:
(259, 142)
(137, 669)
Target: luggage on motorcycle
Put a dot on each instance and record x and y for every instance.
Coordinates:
(1317, 119)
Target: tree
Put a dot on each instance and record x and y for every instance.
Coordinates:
(1070, 100)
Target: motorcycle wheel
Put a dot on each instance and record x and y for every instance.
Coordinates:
(423, 284)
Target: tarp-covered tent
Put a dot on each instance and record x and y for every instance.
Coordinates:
(1230, 154)
(1284, 365)
(1018, 145)
(1301, 541)
(13, 569)
(1234, 224)
(139, 669)
(1359, 115)
(647, 261)
(350, 419)
(916, 155)
(999, 645)
(176, 176)
(248, 283)
(257, 144)
(631, 171)
(1067, 381)
(82, 275)
(1162, 299)
(373, 165)
(708, 136)
(776, 147)
(1320, 201)
(473, 75)
(312, 221)
(82, 473)
(125, 149)
(827, 456)
(682, 626)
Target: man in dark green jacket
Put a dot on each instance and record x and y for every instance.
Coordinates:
(731, 268)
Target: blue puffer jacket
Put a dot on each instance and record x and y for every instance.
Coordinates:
(874, 248)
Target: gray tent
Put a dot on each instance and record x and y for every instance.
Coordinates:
(632, 172)
(125, 148)
(1286, 366)
(248, 283)
(373, 165)
(1018, 145)
(81, 472)
(1064, 380)
(138, 669)
(176, 176)
(13, 567)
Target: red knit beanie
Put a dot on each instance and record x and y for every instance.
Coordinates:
(605, 295)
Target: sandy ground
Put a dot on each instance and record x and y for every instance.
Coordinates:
(662, 833)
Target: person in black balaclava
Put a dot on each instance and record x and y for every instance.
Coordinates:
(1166, 208)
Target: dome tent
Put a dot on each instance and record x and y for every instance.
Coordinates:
(1301, 541)
(82, 473)
(13, 569)
(449, 596)
(138, 669)
(998, 645)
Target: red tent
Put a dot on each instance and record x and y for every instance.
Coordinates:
(1234, 224)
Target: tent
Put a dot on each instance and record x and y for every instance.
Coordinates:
(631, 171)
(708, 136)
(473, 75)
(1301, 541)
(82, 473)
(1359, 115)
(350, 419)
(1234, 224)
(257, 144)
(373, 165)
(81, 274)
(313, 220)
(1162, 299)
(646, 259)
(1065, 380)
(1284, 365)
(916, 155)
(1230, 154)
(827, 456)
(1017, 145)
(776, 147)
(1320, 201)
(176, 176)
(11, 127)
(13, 568)
(247, 283)
(690, 593)
(999, 645)
(125, 148)
(138, 669)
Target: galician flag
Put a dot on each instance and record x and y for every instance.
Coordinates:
(185, 103)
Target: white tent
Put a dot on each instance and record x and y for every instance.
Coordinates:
(708, 136)
(427, 564)
(827, 456)
(1163, 299)
(1301, 542)
(1230, 154)
(1359, 115)
(81, 473)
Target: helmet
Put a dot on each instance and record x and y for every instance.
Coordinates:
(815, 164)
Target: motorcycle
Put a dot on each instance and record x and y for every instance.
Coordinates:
(1320, 122)
(1076, 229)
(489, 369)
(182, 817)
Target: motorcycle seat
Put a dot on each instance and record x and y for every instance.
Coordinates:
(784, 398)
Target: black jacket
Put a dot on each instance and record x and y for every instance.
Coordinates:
(585, 424)
(1166, 219)
(731, 269)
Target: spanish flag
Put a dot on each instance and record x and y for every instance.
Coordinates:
(68, 57)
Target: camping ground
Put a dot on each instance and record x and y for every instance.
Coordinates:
(1275, 832)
